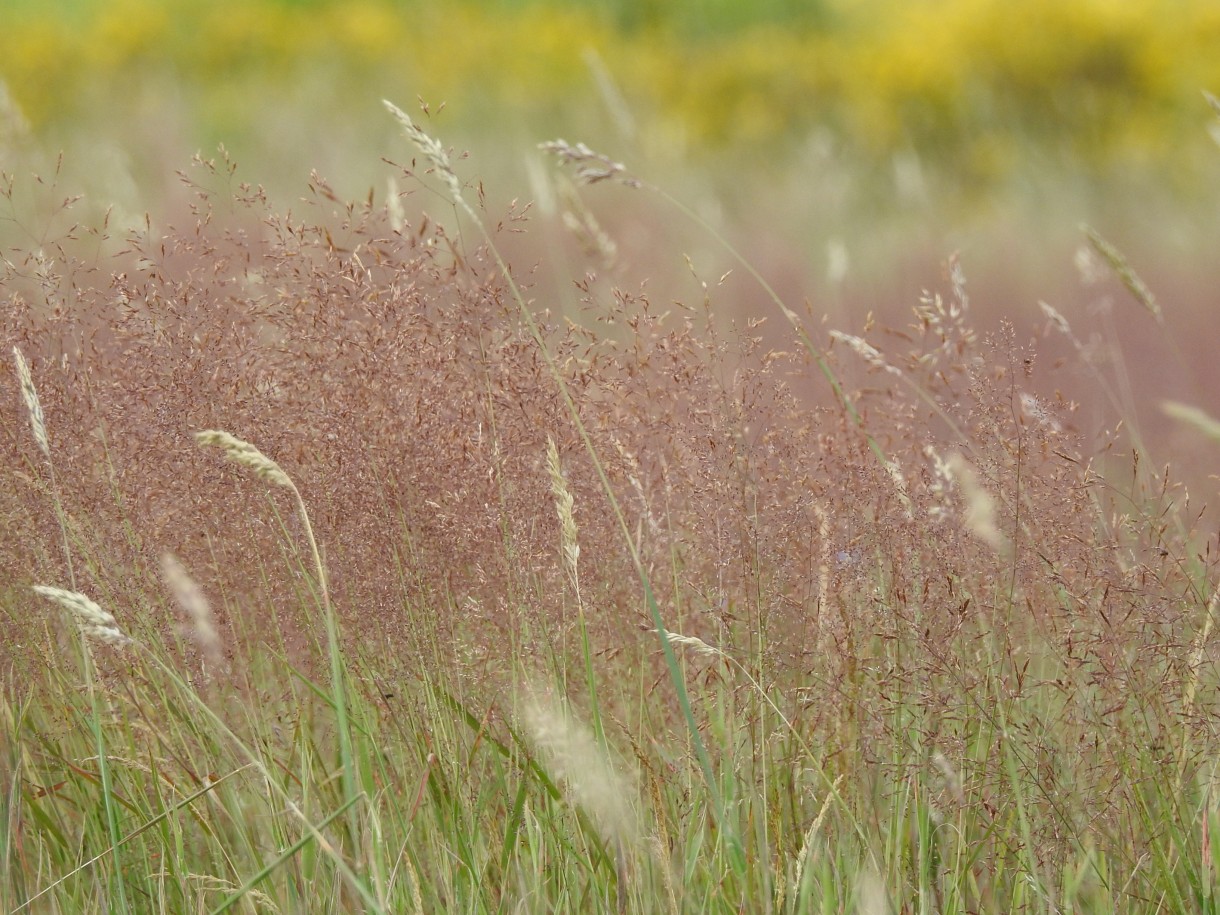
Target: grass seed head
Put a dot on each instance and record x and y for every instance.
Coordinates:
(1058, 320)
(564, 508)
(190, 597)
(591, 167)
(1124, 271)
(32, 405)
(694, 643)
(433, 152)
(865, 351)
(979, 516)
(93, 620)
(572, 755)
(242, 452)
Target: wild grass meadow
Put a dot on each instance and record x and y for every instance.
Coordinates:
(440, 547)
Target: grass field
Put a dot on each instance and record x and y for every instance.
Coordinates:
(426, 550)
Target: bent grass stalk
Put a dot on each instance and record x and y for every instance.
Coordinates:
(88, 611)
(729, 828)
(91, 619)
(247, 455)
(565, 510)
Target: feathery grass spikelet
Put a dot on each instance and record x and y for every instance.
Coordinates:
(242, 452)
(953, 780)
(1052, 314)
(634, 473)
(658, 847)
(823, 516)
(573, 756)
(1196, 655)
(32, 405)
(940, 485)
(591, 167)
(564, 508)
(1123, 270)
(189, 596)
(588, 232)
(695, 643)
(434, 152)
(979, 518)
(865, 351)
(393, 205)
(802, 858)
(93, 620)
(894, 471)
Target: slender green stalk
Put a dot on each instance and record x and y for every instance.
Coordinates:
(435, 154)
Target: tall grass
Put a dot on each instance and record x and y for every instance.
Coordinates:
(632, 608)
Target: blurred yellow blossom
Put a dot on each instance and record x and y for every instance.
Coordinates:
(969, 82)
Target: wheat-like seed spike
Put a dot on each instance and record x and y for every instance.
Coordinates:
(802, 857)
(417, 900)
(952, 780)
(865, 351)
(189, 596)
(242, 452)
(564, 508)
(32, 405)
(1125, 273)
(1056, 318)
(95, 621)
(434, 152)
(695, 643)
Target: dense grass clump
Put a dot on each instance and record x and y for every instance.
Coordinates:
(470, 604)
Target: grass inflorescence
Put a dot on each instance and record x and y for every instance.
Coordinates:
(627, 608)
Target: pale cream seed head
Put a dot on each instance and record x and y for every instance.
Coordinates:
(242, 452)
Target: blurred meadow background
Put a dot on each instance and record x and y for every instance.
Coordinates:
(798, 499)
(846, 148)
